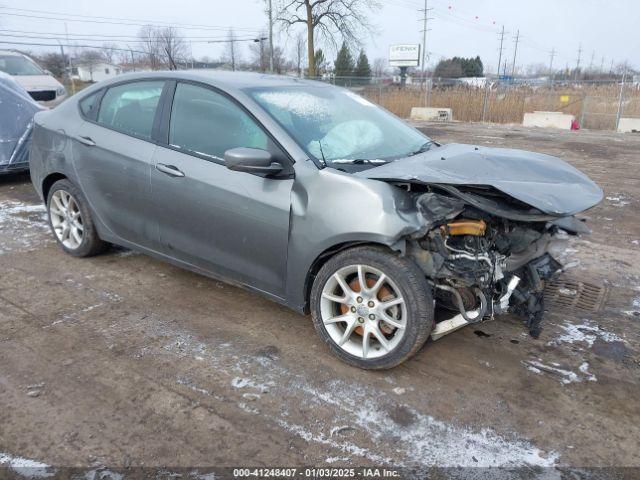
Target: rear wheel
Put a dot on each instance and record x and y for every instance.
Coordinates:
(373, 307)
(71, 222)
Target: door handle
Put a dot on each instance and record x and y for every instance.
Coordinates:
(169, 170)
(86, 141)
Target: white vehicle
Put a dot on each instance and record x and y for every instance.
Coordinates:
(39, 83)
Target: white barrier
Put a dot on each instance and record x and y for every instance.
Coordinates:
(432, 114)
(548, 120)
(628, 125)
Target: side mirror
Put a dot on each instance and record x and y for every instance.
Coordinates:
(251, 160)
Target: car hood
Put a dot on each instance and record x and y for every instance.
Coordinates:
(541, 181)
(34, 83)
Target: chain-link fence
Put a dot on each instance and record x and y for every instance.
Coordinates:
(595, 105)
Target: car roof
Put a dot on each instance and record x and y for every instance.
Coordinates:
(225, 79)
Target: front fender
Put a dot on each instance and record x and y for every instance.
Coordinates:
(330, 208)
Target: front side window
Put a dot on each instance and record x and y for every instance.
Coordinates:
(208, 123)
(131, 108)
(89, 105)
(338, 126)
(18, 65)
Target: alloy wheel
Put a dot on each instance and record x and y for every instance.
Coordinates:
(363, 311)
(66, 219)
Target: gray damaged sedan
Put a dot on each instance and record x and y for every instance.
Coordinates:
(312, 196)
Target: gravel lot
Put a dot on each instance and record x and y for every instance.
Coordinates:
(120, 360)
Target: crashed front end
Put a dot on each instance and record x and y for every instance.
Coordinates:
(493, 224)
(486, 254)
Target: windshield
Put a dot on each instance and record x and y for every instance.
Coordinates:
(338, 126)
(16, 65)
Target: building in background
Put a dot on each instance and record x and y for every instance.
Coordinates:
(95, 72)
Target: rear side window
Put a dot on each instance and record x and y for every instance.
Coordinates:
(131, 108)
(208, 123)
(89, 105)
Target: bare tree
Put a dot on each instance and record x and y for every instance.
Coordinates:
(299, 52)
(231, 53)
(380, 67)
(149, 41)
(260, 58)
(172, 46)
(327, 18)
(54, 62)
(109, 52)
(259, 54)
(90, 59)
(164, 47)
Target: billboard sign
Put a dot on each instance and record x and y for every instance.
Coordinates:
(407, 55)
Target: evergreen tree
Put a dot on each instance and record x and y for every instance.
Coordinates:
(344, 64)
(319, 61)
(363, 69)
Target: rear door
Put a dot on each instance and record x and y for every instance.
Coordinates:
(113, 150)
(232, 223)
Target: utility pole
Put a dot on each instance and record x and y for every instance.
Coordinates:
(501, 48)
(425, 18)
(133, 64)
(593, 56)
(270, 11)
(515, 52)
(551, 55)
(73, 83)
(602, 65)
(578, 61)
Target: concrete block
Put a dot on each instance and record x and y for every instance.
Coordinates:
(432, 114)
(628, 125)
(548, 120)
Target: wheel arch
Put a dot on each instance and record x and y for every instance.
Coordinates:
(324, 257)
(48, 182)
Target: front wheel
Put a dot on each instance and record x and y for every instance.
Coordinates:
(373, 307)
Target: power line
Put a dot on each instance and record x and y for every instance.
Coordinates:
(106, 40)
(113, 20)
(102, 36)
(68, 45)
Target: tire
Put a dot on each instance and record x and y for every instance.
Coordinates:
(74, 215)
(339, 314)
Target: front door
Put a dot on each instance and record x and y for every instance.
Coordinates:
(231, 223)
(112, 158)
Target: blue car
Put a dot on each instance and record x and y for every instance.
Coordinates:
(16, 123)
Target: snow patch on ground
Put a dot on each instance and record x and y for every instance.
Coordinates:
(26, 467)
(618, 200)
(26, 226)
(586, 333)
(350, 417)
(565, 376)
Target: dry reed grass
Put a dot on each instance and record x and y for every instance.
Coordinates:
(595, 106)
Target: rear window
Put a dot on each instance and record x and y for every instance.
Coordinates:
(131, 108)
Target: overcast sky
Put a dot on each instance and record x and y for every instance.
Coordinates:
(605, 29)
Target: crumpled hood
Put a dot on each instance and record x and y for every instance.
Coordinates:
(542, 181)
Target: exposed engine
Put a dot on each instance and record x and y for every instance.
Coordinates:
(485, 263)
